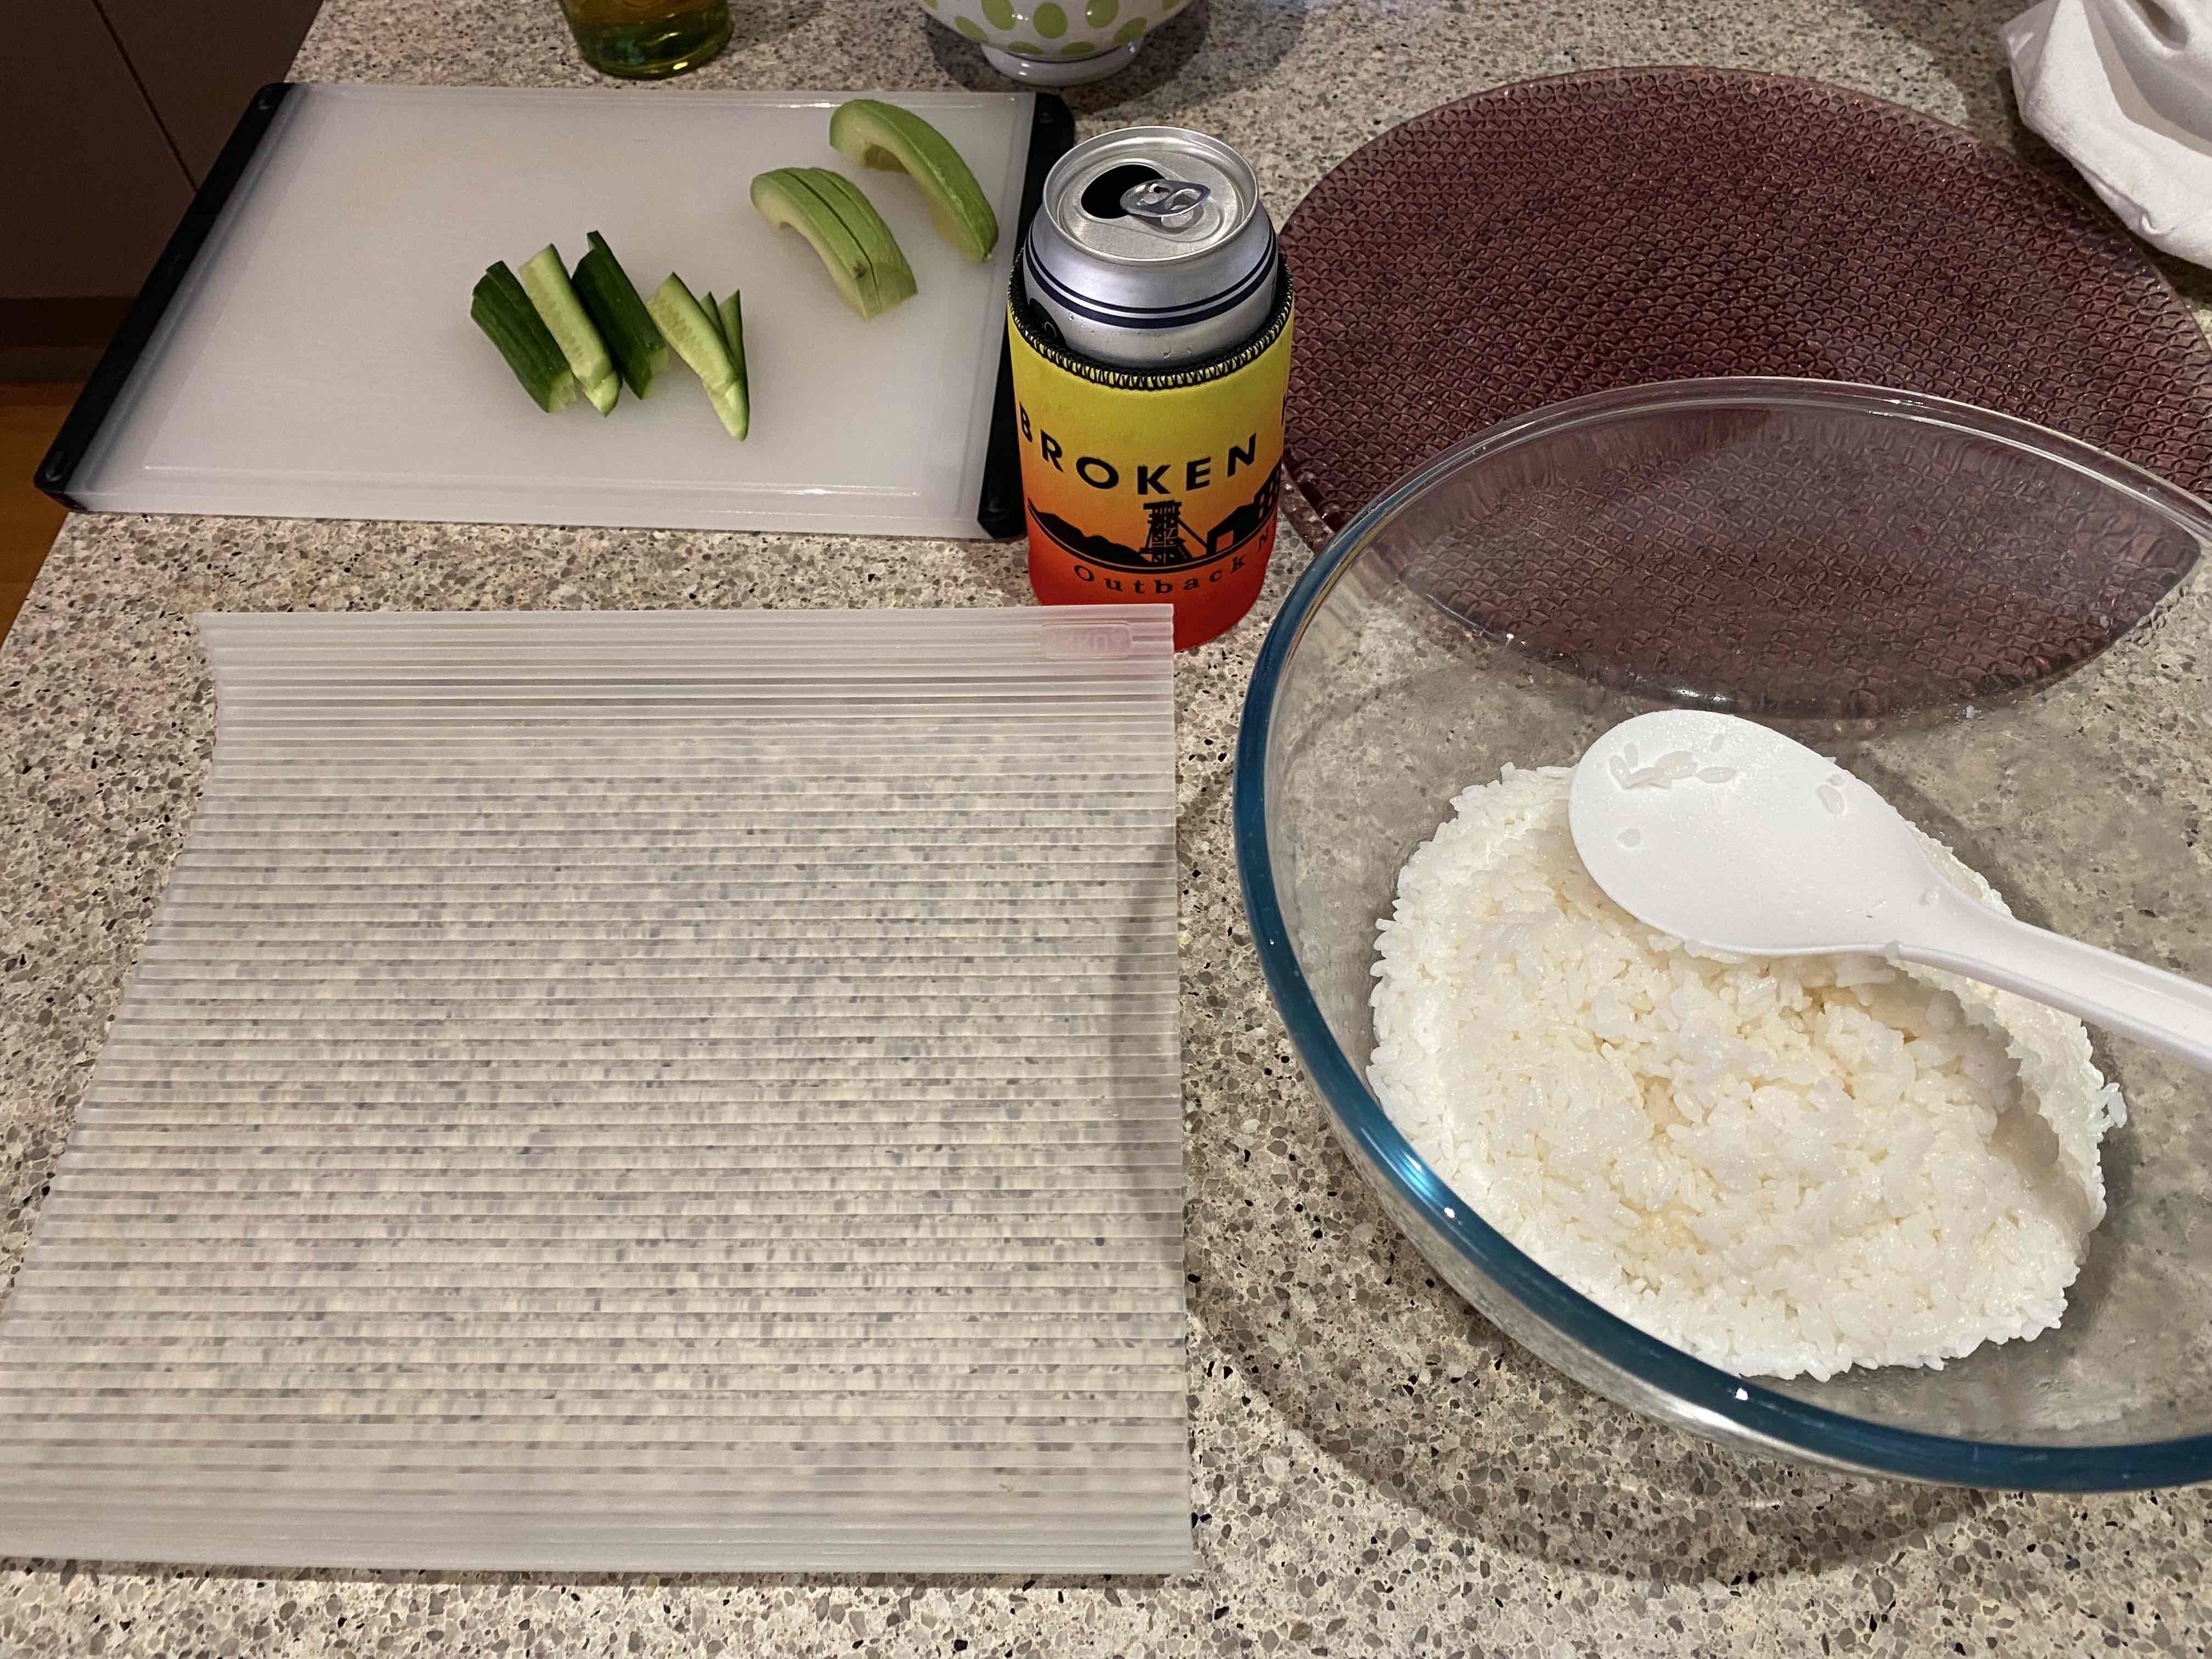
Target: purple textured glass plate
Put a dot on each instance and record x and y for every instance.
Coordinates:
(1596, 231)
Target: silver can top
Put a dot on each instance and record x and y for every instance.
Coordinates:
(1151, 249)
(1150, 196)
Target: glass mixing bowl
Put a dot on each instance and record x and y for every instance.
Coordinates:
(2005, 631)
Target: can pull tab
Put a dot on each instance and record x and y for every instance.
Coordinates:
(1171, 204)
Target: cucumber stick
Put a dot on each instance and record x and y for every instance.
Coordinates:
(699, 343)
(503, 311)
(732, 316)
(728, 318)
(545, 280)
(611, 301)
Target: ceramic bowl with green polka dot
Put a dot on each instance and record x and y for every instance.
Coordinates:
(1056, 43)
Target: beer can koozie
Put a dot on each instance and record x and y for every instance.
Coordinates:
(1149, 332)
(1157, 488)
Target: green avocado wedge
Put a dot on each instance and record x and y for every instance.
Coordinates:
(785, 199)
(894, 276)
(894, 140)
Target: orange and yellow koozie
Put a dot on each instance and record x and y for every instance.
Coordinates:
(1152, 486)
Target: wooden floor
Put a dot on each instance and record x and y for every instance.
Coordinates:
(29, 416)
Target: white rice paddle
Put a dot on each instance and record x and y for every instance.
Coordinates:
(1735, 838)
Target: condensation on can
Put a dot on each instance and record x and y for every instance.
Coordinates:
(1151, 249)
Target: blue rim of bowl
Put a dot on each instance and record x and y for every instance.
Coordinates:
(1743, 1405)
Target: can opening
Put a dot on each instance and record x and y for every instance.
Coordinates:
(1102, 197)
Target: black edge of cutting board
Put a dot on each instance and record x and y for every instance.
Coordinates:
(1052, 134)
(98, 399)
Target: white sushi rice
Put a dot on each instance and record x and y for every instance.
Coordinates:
(1784, 1166)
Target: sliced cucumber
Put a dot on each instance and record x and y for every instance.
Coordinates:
(885, 136)
(894, 276)
(713, 313)
(732, 316)
(545, 280)
(699, 343)
(784, 198)
(612, 303)
(504, 312)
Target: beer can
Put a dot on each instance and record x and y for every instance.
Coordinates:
(1151, 249)
(1149, 331)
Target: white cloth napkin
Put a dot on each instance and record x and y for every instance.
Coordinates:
(2124, 89)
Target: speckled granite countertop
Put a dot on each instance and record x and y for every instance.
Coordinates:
(1375, 1470)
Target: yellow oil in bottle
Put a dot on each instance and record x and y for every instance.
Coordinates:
(649, 40)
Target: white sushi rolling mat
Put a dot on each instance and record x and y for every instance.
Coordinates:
(652, 1092)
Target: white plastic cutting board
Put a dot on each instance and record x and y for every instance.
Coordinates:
(320, 361)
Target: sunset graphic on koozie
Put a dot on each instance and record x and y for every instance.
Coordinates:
(1164, 493)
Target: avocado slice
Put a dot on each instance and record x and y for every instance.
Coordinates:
(894, 276)
(785, 199)
(885, 136)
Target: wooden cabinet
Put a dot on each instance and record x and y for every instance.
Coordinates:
(199, 63)
(111, 113)
(93, 187)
